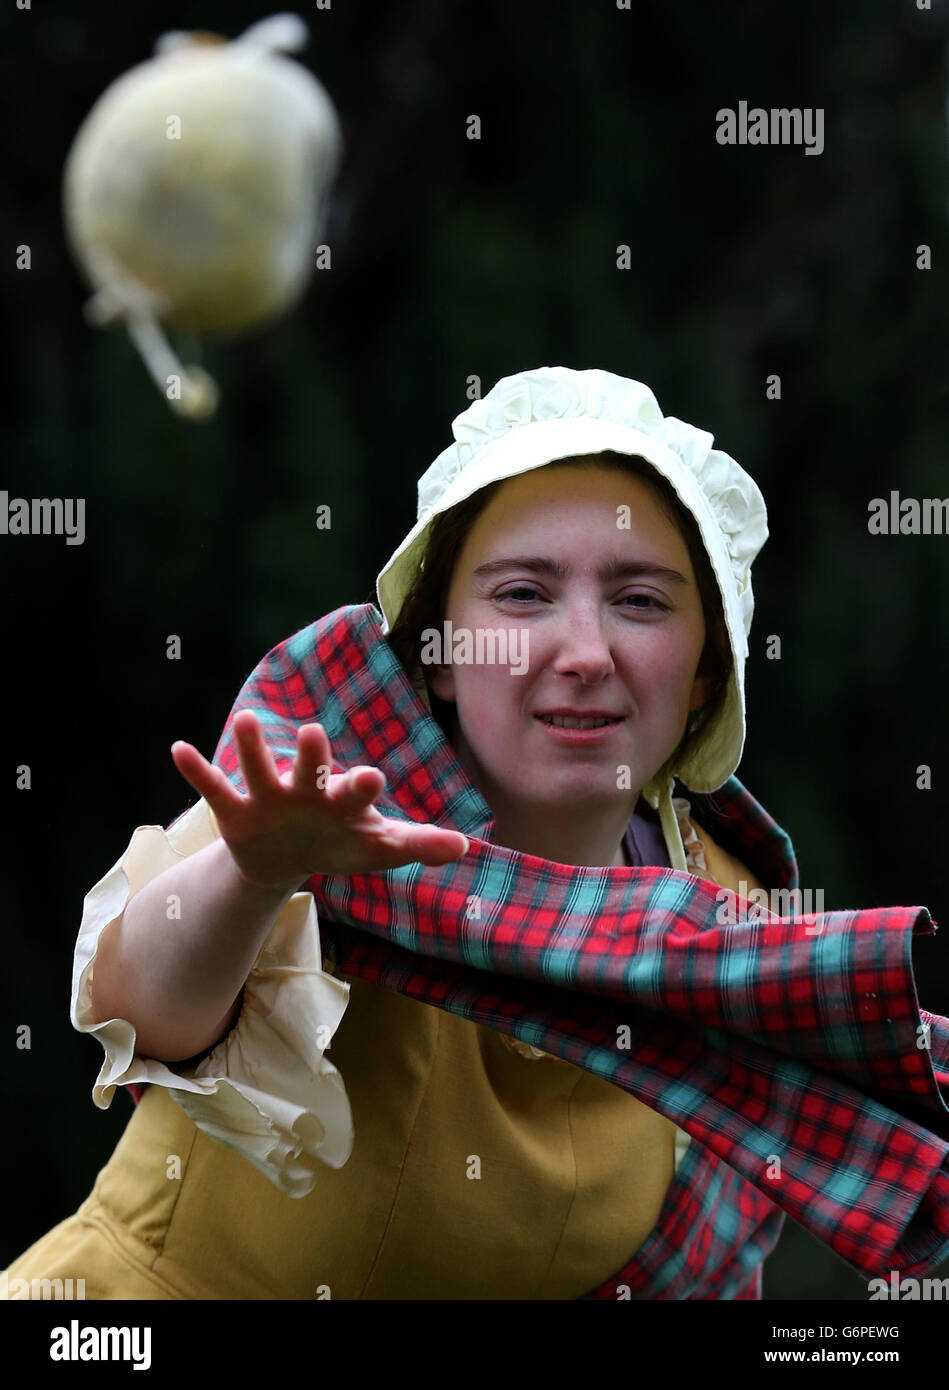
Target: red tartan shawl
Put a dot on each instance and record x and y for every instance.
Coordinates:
(796, 1056)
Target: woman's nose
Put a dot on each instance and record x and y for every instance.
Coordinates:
(583, 647)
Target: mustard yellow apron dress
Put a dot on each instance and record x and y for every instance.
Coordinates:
(477, 1172)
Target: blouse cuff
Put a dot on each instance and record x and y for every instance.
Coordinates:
(266, 1090)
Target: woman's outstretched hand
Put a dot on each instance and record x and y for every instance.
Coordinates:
(307, 820)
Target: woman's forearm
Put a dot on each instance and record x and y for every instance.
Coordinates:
(175, 969)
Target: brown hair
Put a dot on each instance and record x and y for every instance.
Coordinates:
(424, 604)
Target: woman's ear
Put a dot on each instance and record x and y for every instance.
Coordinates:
(441, 682)
(702, 688)
(705, 686)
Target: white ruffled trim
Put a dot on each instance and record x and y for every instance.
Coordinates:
(266, 1090)
(694, 849)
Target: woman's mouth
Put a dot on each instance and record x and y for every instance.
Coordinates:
(577, 729)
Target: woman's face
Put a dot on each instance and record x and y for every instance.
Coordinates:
(585, 572)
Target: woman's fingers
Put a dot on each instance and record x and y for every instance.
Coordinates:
(387, 841)
(313, 770)
(358, 787)
(314, 763)
(430, 844)
(208, 781)
(256, 761)
(191, 769)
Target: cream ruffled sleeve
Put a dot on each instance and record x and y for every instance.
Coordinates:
(267, 1089)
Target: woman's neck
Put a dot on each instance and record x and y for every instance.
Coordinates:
(584, 840)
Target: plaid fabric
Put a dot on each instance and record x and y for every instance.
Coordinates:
(796, 1057)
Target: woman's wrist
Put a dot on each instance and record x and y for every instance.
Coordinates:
(262, 894)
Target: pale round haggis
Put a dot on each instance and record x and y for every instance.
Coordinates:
(194, 190)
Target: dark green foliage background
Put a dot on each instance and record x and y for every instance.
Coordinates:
(453, 257)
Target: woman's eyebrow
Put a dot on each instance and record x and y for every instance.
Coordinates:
(613, 569)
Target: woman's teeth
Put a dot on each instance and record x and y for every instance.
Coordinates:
(566, 722)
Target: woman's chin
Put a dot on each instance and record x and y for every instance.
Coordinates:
(584, 791)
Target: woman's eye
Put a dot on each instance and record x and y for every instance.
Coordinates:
(649, 599)
(521, 589)
(645, 602)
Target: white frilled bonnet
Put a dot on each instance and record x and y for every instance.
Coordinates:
(551, 413)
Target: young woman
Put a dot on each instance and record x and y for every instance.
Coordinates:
(558, 1070)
